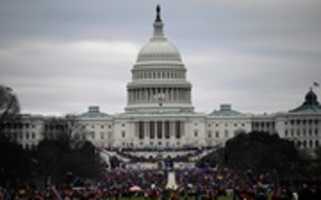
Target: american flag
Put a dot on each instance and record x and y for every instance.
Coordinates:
(316, 84)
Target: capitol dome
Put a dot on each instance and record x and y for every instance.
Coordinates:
(159, 77)
(158, 47)
(159, 50)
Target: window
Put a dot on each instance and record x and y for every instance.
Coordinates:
(123, 133)
(235, 124)
(33, 135)
(123, 125)
(209, 134)
(316, 131)
(109, 126)
(102, 135)
(102, 126)
(217, 134)
(226, 133)
(262, 124)
(286, 133)
(27, 135)
(195, 133)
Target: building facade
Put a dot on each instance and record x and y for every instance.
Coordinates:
(160, 115)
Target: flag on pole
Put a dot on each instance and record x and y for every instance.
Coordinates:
(316, 84)
(53, 188)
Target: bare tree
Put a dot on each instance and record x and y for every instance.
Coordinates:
(9, 104)
(67, 129)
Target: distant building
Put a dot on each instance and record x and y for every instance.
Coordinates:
(160, 115)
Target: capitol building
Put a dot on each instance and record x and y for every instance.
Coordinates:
(159, 114)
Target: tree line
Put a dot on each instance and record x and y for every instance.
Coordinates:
(58, 156)
(261, 152)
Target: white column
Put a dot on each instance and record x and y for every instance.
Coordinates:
(182, 129)
(155, 129)
(146, 135)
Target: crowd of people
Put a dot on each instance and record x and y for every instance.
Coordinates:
(193, 183)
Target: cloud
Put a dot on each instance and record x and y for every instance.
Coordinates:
(65, 76)
(62, 56)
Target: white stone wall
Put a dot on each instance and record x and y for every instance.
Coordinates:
(199, 130)
(98, 131)
(221, 129)
(303, 129)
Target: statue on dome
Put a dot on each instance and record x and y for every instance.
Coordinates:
(158, 18)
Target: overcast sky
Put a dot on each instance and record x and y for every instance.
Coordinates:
(62, 56)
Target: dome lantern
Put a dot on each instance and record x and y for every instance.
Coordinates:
(158, 25)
